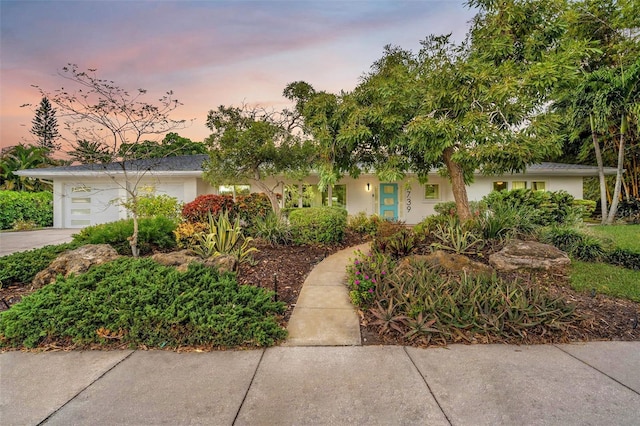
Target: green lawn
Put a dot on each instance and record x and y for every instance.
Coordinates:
(623, 236)
(606, 279)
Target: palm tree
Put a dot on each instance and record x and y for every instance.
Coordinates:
(21, 157)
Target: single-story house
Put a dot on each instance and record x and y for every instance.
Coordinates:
(87, 194)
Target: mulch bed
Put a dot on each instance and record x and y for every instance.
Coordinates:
(284, 268)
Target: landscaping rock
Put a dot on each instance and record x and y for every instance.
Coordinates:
(449, 262)
(181, 260)
(518, 255)
(223, 263)
(76, 262)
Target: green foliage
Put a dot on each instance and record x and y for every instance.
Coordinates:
(624, 257)
(457, 237)
(172, 145)
(154, 233)
(199, 209)
(448, 208)
(360, 223)
(159, 205)
(21, 157)
(45, 125)
(578, 245)
(249, 145)
(139, 302)
(272, 229)
(22, 267)
(606, 279)
(586, 208)
(397, 245)
(34, 207)
(430, 224)
(318, 224)
(363, 275)
(552, 207)
(421, 303)
(223, 237)
(252, 207)
(504, 220)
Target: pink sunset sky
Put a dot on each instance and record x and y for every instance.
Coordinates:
(209, 53)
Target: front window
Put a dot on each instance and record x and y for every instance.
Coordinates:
(432, 192)
(234, 190)
(311, 196)
(538, 186)
(499, 186)
(518, 184)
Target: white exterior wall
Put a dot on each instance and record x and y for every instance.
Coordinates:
(483, 185)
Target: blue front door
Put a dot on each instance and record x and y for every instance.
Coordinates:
(389, 201)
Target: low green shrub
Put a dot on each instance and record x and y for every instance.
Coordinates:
(553, 208)
(503, 221)
(457, 237)
(272, 229)
(575, 243)
(318, 224)
(360, 223)
(398, 245)
(36, 207)
(159, 205)
(623, 257)
(448, 208)
(139, 302)
(421, 303)
(154, 233)
(22, 267)
(586, 208)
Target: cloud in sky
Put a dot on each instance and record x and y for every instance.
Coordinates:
(208, 52)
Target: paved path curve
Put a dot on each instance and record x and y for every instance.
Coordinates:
(324, 315)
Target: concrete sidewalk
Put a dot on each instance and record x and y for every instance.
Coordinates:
(11, 242)
(595, 383)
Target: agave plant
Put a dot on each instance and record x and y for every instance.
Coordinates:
(224, 237)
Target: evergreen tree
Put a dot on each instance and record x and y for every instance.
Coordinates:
(45, 126)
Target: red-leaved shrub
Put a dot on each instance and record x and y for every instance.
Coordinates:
(198, 210)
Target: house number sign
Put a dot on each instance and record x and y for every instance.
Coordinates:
(408, 199)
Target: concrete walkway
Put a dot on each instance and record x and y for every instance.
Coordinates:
(324, 315)
(583, 384)
(11, 242)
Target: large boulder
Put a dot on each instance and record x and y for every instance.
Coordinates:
(450, 262)
(181, 260)
(76, 262)
(529, 255)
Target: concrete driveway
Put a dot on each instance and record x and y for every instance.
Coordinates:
(11, 242)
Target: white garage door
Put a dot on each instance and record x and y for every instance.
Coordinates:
(86, 205)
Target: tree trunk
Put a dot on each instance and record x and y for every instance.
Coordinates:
(458, 185)
(603, 183)
(133, 239)
(616, 191)
(273, 198)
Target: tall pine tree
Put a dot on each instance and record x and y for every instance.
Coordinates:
(45, 126)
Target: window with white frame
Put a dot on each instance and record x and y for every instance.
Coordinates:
(234, 190)
(539, 186)
(519, 184)
(432, 191)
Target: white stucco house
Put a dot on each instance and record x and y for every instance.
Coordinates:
(87, 194)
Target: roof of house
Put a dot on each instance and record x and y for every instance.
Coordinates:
(191, 165)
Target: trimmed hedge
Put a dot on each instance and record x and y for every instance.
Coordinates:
(36, 207)
(318, 224)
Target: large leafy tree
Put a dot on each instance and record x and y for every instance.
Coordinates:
(45, 126)
(248, 145)
(478, 105)
(323, 117)
(602, 109)
(107, 122)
